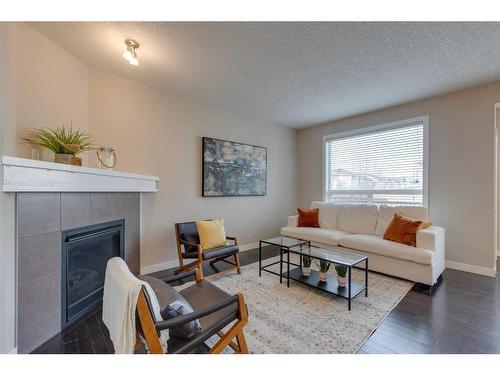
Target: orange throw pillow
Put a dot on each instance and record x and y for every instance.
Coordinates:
(403, 230)
(308, 217)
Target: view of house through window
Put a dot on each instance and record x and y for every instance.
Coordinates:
(379, 165)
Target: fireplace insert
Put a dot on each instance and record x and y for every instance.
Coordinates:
(85, 253)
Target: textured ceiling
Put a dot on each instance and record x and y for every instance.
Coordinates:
(293, 74)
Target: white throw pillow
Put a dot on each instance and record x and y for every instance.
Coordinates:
(327, 215)
(386, 213)
(359, 219)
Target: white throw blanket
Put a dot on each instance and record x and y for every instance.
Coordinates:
(121, 291)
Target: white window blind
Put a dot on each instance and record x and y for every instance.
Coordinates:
(382, 166)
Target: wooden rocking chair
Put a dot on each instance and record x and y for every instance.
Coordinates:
(215, 309)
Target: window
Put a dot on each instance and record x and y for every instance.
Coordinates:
(384, 164)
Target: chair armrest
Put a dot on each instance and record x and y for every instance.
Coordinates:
(293, 221)
(197, 314)
(179, 276)
(184, 242)
(198, 246)
(231, 238)
(432, 238)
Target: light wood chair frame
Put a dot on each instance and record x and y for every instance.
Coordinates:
(150, 330)
(198, 262)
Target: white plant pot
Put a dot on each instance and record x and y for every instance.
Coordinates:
(341, 281)
(322, 276)
(306, 271)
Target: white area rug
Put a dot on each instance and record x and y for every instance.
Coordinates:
(301, 319)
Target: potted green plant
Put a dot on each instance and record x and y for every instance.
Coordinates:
(341, 272)
(306, 265)
(65, 143)
(324, 266)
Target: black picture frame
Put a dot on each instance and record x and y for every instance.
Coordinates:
(203, 187)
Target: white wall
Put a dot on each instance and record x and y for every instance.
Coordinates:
(461, 167)
(41, 85)
(159, 133)
(51, 84)
(7, 201)
(497, 118)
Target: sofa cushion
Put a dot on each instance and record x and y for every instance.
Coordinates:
(320, 235)
(386, 213)
(377, 245)
(359, 219)
(328, 213)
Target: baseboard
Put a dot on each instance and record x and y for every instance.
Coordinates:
(175, 263)
(13, 351)
(471, 268)
(159, 266)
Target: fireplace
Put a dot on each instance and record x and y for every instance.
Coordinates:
(85, 253)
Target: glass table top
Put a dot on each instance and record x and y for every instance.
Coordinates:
(337, 254)
(285, 241)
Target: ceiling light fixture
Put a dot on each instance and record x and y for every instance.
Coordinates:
(130, 53)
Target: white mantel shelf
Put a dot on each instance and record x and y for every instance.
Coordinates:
(26, 175)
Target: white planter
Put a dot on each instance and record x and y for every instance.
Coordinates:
(322, 276)
(306, 271)
(341, 281)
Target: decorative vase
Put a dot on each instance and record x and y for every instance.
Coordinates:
(35, 153)
(306, 271)
(63, 158)
(75, 160)
(322, 277)
(106, 157)
(341, 281)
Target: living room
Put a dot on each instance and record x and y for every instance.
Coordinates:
(350, 168)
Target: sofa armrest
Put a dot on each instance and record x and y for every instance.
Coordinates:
(432, 238)
(292, 221)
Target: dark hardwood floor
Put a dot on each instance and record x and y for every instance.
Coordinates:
(461, 316)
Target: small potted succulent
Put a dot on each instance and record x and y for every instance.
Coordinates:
(65, 143)
(341, 272)
(306, 265)
(324, 266)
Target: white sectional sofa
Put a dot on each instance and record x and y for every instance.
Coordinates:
(361, 228)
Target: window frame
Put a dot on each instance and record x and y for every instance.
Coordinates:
(374, 129)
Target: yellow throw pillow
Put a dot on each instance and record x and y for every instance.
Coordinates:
(425, 224)
(212, 233)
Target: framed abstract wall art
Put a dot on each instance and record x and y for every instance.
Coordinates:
(233, 169)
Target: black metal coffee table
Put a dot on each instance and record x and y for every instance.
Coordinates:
(335, 255)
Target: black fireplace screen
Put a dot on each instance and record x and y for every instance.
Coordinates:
(85, 253)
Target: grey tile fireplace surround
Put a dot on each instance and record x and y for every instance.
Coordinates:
(40, 219)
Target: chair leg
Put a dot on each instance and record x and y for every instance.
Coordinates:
(237, 261)
(228, 337)
(242, 342)
(148, 326)
(231, 344)
(235, 331)
(200, 268)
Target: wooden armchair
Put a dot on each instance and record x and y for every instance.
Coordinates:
(188, 247)
(215, 309)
